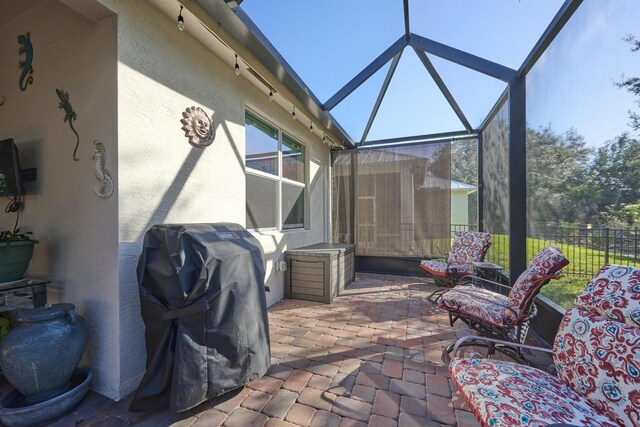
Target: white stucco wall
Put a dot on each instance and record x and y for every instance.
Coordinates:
(163, 179)
(459, 207)
(76, 229)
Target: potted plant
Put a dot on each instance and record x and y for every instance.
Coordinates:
(16, 250)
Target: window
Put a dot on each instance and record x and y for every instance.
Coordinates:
(276, 176)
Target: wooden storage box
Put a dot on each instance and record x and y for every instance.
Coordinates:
(319, 272)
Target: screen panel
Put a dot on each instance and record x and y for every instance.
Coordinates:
(397, 200)
(495, 172)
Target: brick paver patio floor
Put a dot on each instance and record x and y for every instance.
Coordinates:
(372, 357)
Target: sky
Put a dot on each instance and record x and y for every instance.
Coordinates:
(328, 42)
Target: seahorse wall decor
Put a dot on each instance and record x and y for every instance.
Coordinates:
(69, 116)
(26, 65)
(105, 188)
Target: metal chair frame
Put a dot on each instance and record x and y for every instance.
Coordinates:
(511, 339)
(453, 279)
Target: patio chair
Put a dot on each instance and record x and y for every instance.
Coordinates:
(596, 354)
(496, 315)
(467, 247)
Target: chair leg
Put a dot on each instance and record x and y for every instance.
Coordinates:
(436, 295)
(448, 350)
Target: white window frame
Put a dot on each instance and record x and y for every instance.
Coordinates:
(280, 180)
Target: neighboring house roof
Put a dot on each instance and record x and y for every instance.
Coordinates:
(460, 186)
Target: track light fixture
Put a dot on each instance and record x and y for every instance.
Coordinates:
(237, 67)
(180, 19)
(311, 126)
(293, 113)
(270, 94)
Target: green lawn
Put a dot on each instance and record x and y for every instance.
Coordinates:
(584, 263)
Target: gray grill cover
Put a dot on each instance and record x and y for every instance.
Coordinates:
(202, 297)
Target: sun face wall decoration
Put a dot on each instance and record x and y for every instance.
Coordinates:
(198, 127)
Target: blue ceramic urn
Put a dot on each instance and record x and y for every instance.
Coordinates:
(40, 354)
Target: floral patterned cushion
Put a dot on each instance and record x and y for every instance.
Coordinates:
(443, 269)
(469, 246)
(480, 303)
(503, 393)
(548, 262)
(614, 293)
(599, 358)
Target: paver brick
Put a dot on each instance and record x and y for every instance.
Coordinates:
(325, 419)
(440, 409)
(386, 403)
(228, 405)
(210, 418)
(408, 389)
(318, 399)
(280, 403)
(459, 403)
(466, 419)
(377, 381)
(297, 381)
(325, 369)
(265, 384)
(275, 422)
(256, 400)
(438, 385)
(348, 422)
(392, 368)
(426, 367)
(406, 420)
(342, 384)
(320, 382)
(350, 366)
(412, 376)
(300, 414)
(371, 367)
(280, 372)
(363, 393)
(302, 342)
(351, 408)
(379, 421)
(413, 406)
(243, 417)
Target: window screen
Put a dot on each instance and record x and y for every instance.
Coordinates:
(261, 145)
(292, 159)
(292, 205)
(262, 199)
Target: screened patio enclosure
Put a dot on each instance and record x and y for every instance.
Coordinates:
(391, 196)
(391, 193)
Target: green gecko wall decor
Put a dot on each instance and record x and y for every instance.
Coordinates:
(26, 65)
(69, 116)
(106, 187)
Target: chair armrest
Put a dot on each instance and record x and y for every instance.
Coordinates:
(495, 341)
(486, 281)
(434, 259)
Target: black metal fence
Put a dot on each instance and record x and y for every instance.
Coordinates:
(589, 247)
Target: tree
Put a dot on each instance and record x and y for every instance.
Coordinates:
(616, 169)
(632, 84)
(464, 162)
(558, 177)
